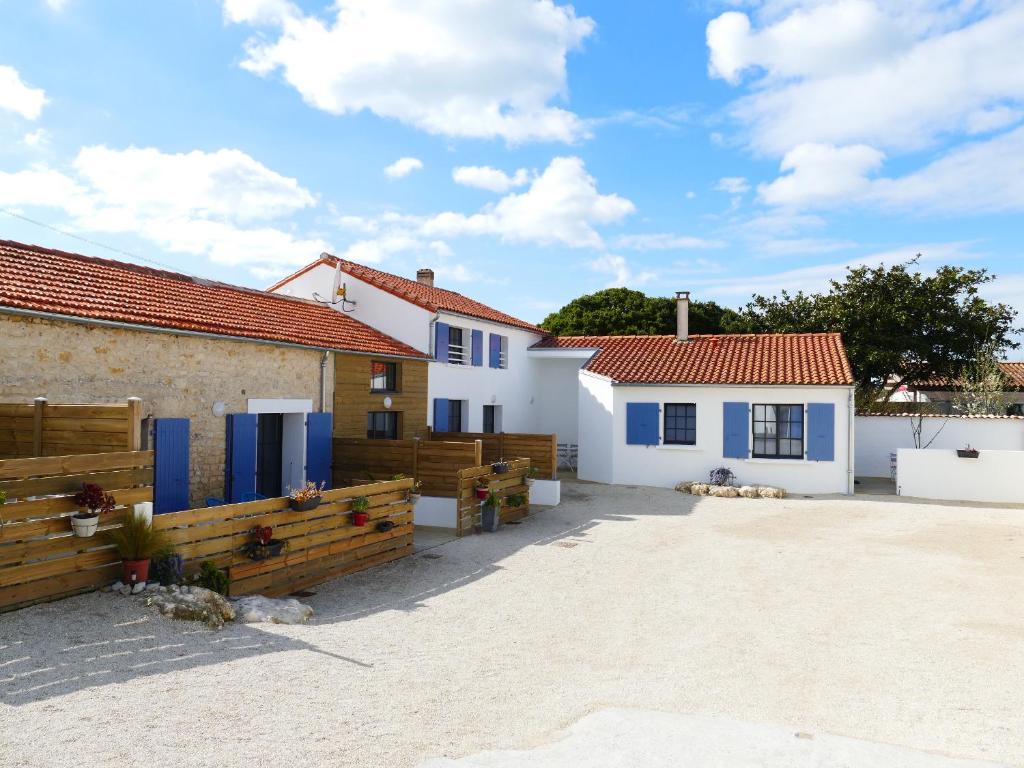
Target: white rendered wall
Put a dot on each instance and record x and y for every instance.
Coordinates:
(596, 428)
(558, 406)
(666, 465)
(878, 436)
(940, 474)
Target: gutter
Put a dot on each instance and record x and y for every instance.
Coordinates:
(199, 334)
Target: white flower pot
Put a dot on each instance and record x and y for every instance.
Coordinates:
(85, 526)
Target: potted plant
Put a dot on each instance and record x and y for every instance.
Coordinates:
(481, 490)
(265, 544)
(168, 567)
(414, 492)
(516, 500)
(136, 541)
(360, 505)
(306, 498)
(531, 474)
(490, 514)
(93, 501)
(967, 453)
(500, 467)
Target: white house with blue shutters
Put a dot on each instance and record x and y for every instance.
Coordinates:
(481, 377)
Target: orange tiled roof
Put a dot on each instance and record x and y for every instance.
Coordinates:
(1014, 373)
(773, 358)
(46, 280)
(433, 299)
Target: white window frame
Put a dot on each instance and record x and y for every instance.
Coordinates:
(460, 354)
(503, 353)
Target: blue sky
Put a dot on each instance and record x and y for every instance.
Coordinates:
(528, 151)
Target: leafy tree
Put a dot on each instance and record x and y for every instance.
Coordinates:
(981, 387)
(897, 322)
(625, 312)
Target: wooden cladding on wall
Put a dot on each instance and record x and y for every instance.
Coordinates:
(434, 463)
(542, 449)
(353, 398)
(504, 485)
(321, 543)
(40, 558)
(44, 429)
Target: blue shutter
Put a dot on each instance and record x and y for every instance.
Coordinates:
(494, 343)
(642, 423)
(240, 456)
(440, 414)
(821, 432)
(735, 427)
(318, 448)
(441, 342)
(170, 467)
(478, 347)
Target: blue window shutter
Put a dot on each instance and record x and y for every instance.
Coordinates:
(494, 344)
(318, 448)
(821, 432)
(170, 468)
(440, 414)
(478, 347)
(642, 423)
(441, 342)
(240, 456)
(735, 429)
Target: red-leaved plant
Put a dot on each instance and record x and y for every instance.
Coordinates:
(95, 499)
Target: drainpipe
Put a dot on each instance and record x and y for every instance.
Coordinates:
(323, 381)
(851, 420)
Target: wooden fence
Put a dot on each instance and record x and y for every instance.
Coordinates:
(321, 543)
(507, 484)
(39, 556)
(434, 463)
(42, 429)
(542, 449)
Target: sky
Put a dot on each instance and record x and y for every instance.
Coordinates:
(529, 151)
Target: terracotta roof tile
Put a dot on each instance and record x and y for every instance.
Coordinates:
(433, 299)
(798, 358)
(1014, 373)
(45, 280)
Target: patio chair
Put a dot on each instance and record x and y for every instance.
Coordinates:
(252, 496)
(213, 501)
(892, 466)
(567, 456)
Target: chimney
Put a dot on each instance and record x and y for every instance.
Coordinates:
(425, 277)
(682, 315)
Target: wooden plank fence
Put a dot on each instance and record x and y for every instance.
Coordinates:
(321, 543)
(42, 429)
(504, 485)
(434, 463)
(542, 449)
(40, 558)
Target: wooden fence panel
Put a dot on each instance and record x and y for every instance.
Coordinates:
(504, 485)
(42, 429)
(40, 558)
(542, 449)
(434, 463)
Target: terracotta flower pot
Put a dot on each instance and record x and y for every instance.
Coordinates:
(360, 518)
(137, 568)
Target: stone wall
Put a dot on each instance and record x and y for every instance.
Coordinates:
(175, 375)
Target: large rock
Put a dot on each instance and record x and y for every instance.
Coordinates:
(257, 608)
(749, 491)
(768, 492)
(197, 604)
(699, 489)
(723, 491)
(685, 486)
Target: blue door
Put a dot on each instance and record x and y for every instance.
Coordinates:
(318, 448)
(170, 471)
(240, 456)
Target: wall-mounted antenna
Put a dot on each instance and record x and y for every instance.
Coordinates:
(338, 290)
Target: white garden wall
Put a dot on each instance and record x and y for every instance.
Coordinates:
(995, 476)
(596, 401)
(878, 436)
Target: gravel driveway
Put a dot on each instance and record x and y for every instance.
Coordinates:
(894, 622)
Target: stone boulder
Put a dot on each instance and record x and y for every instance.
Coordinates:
(723, 491)
(700, 489)
(685, 486)
(195, 604)
(749, 491)
(768, 492)
(256, 608)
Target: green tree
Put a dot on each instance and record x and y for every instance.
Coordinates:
(898, 326)
(625, 312)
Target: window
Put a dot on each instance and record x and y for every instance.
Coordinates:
(382, 425)
(492, 419)
(778, 431)
(680, 424)
(383, 377)
(458, 351)
(503, 353)
(455, 415)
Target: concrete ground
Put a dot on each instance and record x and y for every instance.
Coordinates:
(894, 624)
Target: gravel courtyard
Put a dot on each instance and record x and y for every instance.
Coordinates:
(897, 623)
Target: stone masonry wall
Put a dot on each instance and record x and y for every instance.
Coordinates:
(176, 377)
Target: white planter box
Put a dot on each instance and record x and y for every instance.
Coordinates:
(435, 511)
(546, 493)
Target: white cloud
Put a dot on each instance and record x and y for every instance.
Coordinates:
(18, 97)
(403, 167)
(821, 173)
(491, 179)
(218, 204)
(37, 138)
(664, 241)
(57, 5)
(562, 205)
(622, 274)
(734, 185)
(465, 68)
